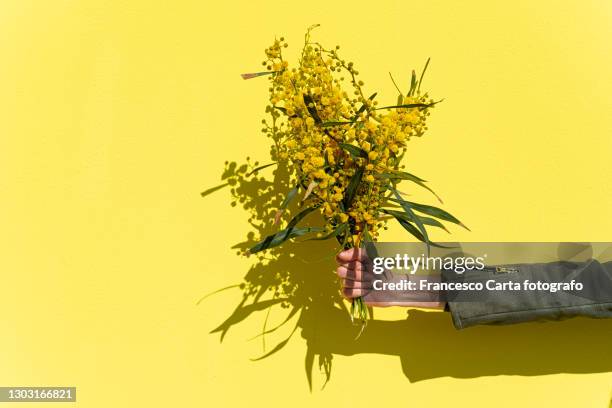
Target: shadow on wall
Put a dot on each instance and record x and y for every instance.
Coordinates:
(299, 278)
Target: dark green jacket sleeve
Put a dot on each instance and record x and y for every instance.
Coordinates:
(515, 306)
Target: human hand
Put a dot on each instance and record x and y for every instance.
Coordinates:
(355, 270)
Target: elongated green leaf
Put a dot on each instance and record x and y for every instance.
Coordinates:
(352, 187)
(395, 85)
(366, 237)
(312, 109)
(433, 222)
(290, 195)
(423, 74)
(425, 220)
(413, 216)
(284, 110)
(433, 211)
(414, 231)
(290, 232)
(297, 218)
(256, 169)
(402, 175)
(363, 107)
(257, 74)
(288, 198)
(410, 105)
(411, 229)
(413, 84)
(355, 151)
(338, 123)
(274, 240)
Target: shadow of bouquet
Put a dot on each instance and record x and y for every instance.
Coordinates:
(298, 279)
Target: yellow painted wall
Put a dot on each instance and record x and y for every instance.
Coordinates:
(114, 115)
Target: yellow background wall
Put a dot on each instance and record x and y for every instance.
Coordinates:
(114, 115)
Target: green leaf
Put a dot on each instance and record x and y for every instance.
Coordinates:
(410, 105)
(256, 169)
(402, 175)
(433, 222)
(414, 217)
(363, 107)
(289, 232)
(366, 236)
(355, 151)
(257, 74)
(413, 83)
(284, 110)
(276, 239)
(352, 187)
(425, 220)
(297, 218)
(433, 211)
(411, 229)
(290, 195)
(422, 74)
(414, 231)
(395, 85)
(339, 123)
(312, 109)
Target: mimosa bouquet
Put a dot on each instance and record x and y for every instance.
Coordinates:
(342, 151)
